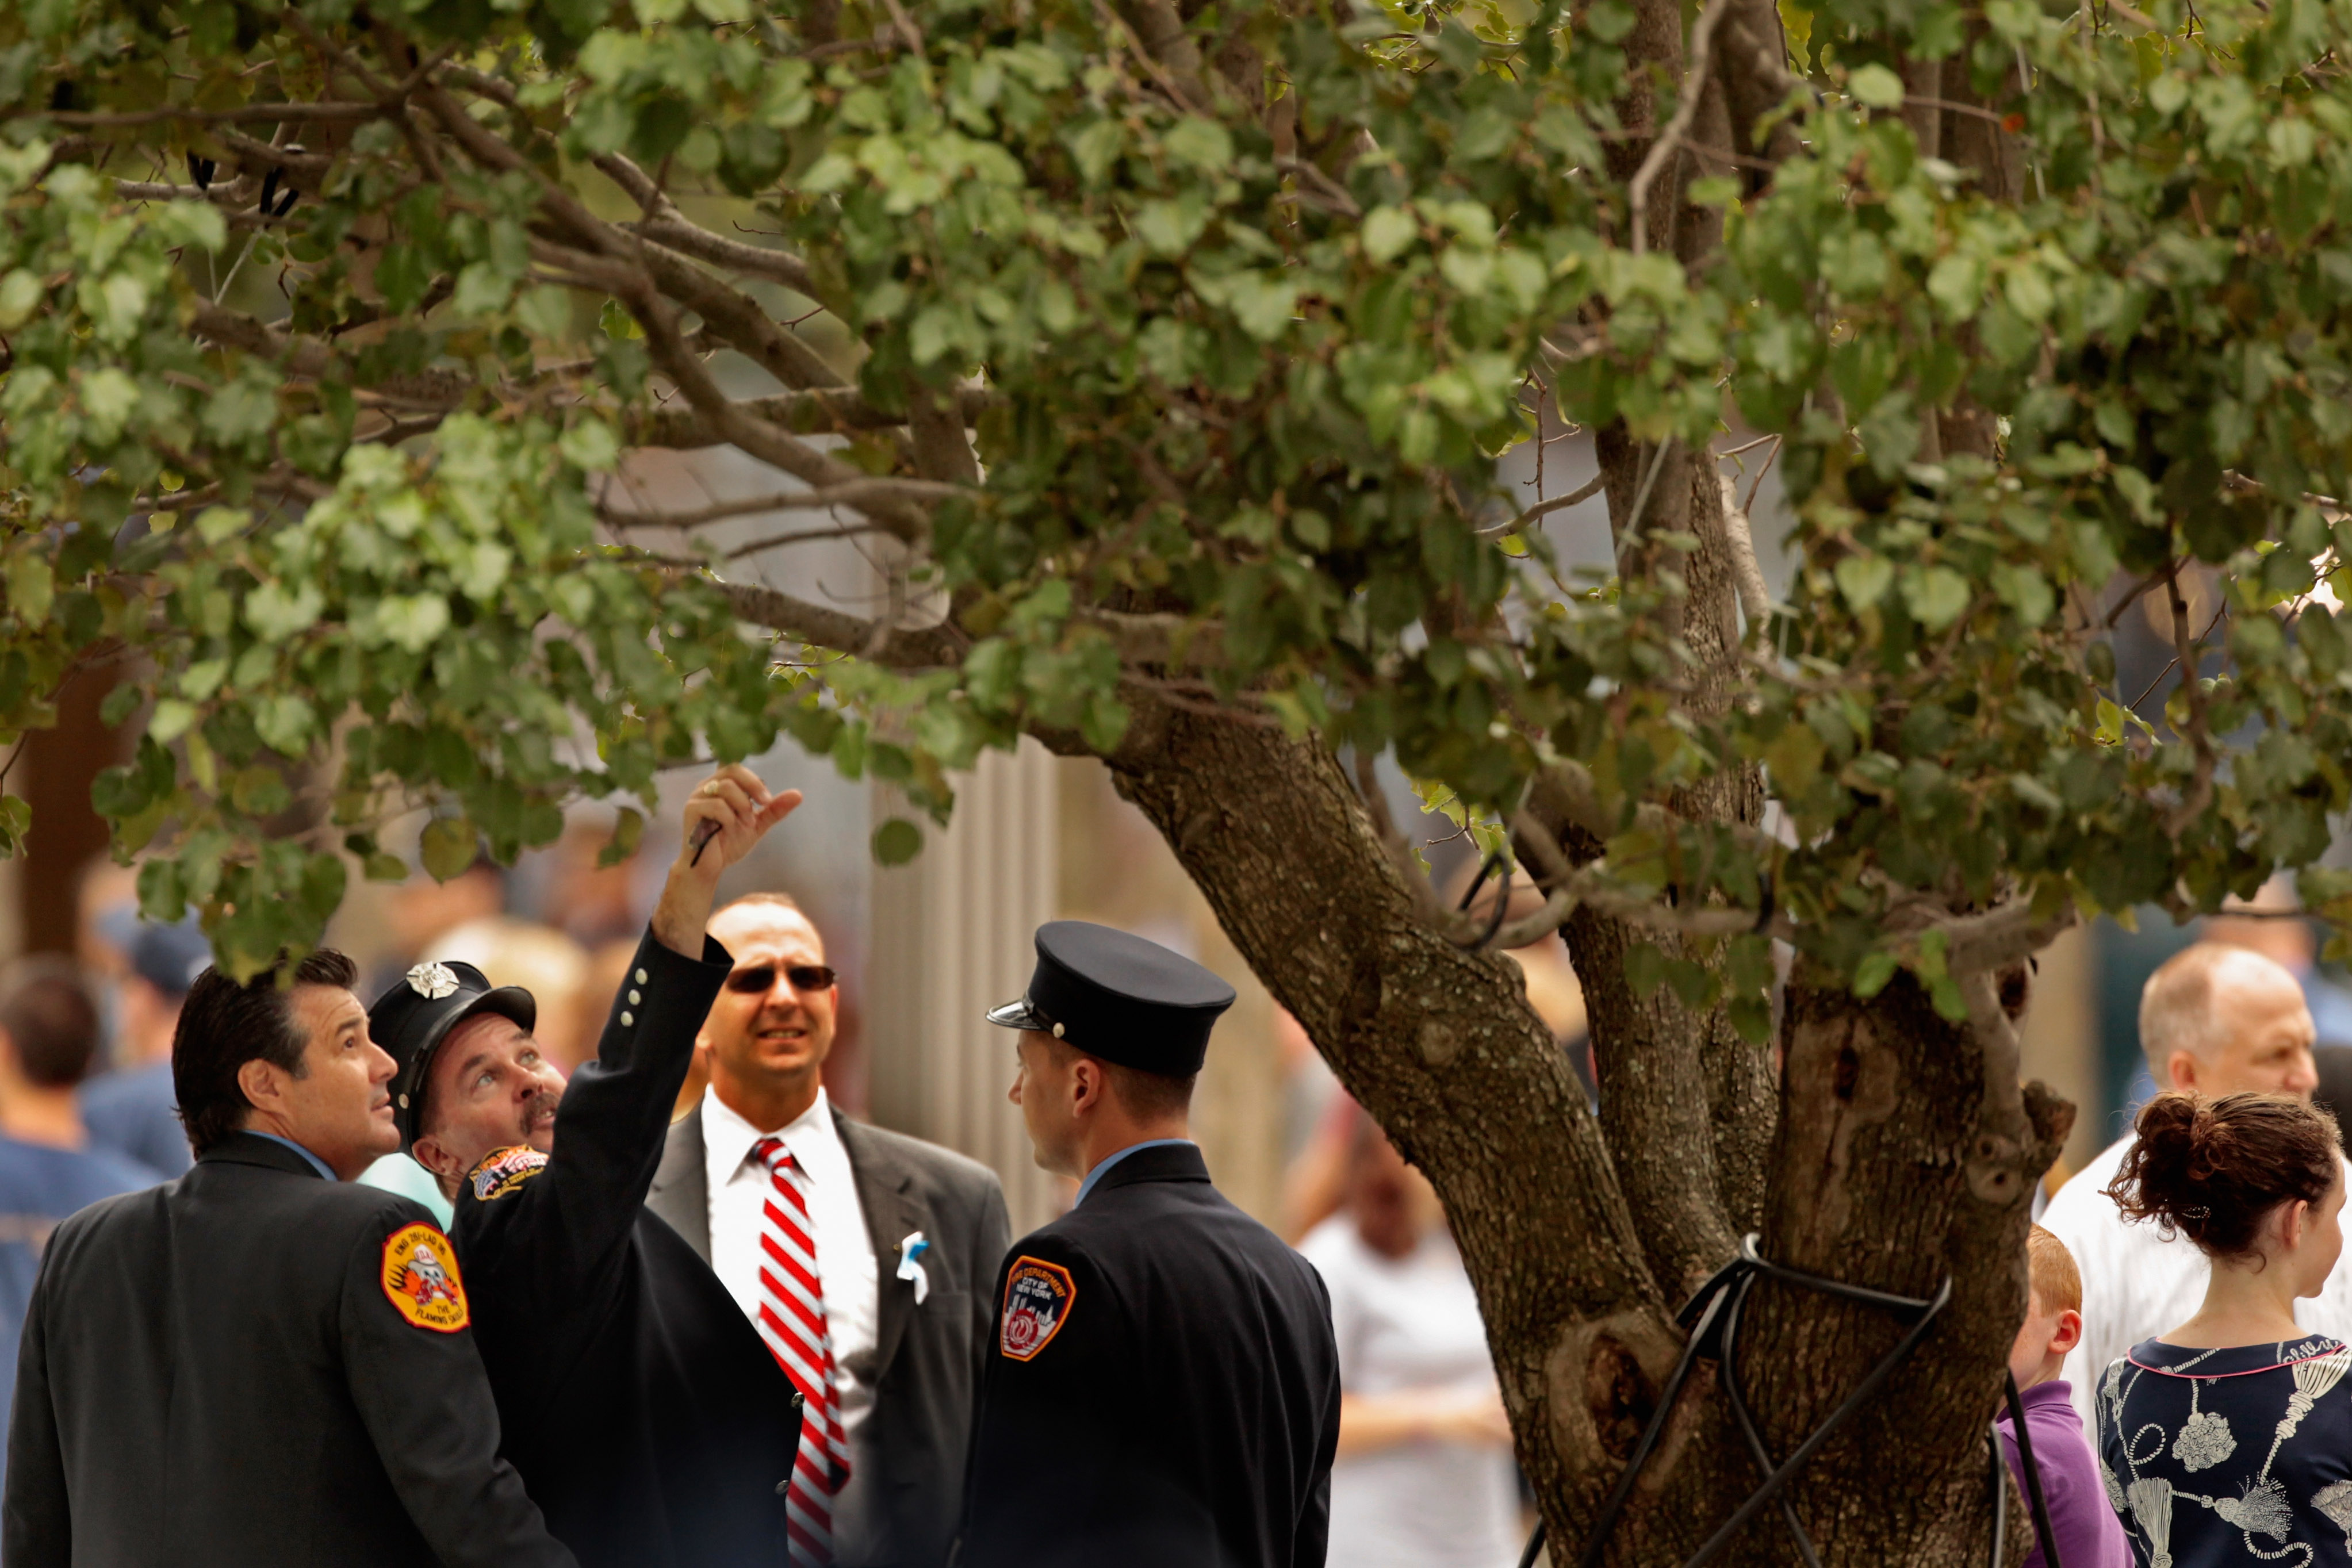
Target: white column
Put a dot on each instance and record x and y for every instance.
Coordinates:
(950, 938)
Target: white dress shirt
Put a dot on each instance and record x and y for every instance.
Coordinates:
(844, 1251)
(2137, 1285)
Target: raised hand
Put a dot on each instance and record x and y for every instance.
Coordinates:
(726, 814)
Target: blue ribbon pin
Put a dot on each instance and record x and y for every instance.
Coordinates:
(910, 1251)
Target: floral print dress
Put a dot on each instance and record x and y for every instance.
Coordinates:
(2235, 1455)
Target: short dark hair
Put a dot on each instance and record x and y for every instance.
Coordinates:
(223, 1025)
(1146, 1095)
(51, 1020)
(2212, 1169)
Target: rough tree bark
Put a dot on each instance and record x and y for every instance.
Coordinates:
(1868, 1177)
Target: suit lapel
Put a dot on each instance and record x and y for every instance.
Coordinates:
(885, 1192)
(682, 1189)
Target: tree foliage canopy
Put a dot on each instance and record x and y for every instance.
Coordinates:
(1163, 353)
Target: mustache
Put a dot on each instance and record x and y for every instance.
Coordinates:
(542, 1102)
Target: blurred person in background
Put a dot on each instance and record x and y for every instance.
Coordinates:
(49, 1035)
(2215, 1020)
(132, 1109)
(592, 903)
(2269, 925)
(421, 911)
(1424, 1477)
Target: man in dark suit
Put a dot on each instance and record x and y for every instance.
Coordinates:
(1163, 1387)
(262, 1364)
(863, 1257)
(644, 1413)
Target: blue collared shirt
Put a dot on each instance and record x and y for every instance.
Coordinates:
(320, 1165)
(1095, 1174)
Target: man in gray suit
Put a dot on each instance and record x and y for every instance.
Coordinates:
(867, 1260)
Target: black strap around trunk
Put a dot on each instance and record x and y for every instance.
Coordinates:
(1711, 1318)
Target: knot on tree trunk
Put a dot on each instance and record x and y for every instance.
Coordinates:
(1604, 1376)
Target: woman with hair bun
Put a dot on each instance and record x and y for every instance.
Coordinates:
(2229, 1439)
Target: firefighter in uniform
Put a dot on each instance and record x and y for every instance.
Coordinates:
(646, 1417)
(263, 1364)
(1163, 1391)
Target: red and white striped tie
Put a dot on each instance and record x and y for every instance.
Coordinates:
(792, 1320)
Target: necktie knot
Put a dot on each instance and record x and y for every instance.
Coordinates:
(773, 1152)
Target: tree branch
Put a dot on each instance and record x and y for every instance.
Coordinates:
(2192, 690)
(856, 493)
(754, 436)
(1695, 71)
(819, 411)
(928, 648)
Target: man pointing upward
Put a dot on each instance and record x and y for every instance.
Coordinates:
(647, 1419)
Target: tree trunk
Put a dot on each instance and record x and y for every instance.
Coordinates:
(1868, 1181)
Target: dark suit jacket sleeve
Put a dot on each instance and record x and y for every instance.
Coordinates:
(36, 1524)
(1312, 1539)
(991, 1238)
(615, 1111)
(423, 1397)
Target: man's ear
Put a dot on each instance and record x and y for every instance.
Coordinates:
(2180, 1067)
(2068, 1333)
(264, 1083)
(427, 1151)
(1088, 1084)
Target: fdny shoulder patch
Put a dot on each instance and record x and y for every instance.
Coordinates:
(420, 1279)
(502, 1173)
(1037, 1300)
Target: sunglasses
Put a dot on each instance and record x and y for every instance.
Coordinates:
(803, 977)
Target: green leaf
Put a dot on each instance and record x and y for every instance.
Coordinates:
(1388, 232)
(628, 833)
(448, 847)
(1871, 976)
(1875, 85)
(1645, 969)
(1863, 579)
(1936, 595)
(897, 841)
(32, 588)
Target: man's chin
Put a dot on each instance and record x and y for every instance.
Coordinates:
(543, 1139)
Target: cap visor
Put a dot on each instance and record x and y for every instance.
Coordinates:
(1018, 1014)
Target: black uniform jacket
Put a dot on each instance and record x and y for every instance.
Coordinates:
(1163, 1391)
(220, 1372)
(645, 1413)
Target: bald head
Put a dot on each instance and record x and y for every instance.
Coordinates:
(769, 1034)
(2221, 1019)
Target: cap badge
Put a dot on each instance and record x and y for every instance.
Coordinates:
(432, 981)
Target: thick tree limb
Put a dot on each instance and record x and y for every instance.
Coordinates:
(756, 437)
(855, 492)
(1666, 146)
(903, 648)
(816, 412)
(1755, 598)
(665, 225)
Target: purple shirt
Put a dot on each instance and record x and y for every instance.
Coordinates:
(2087, 1533)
